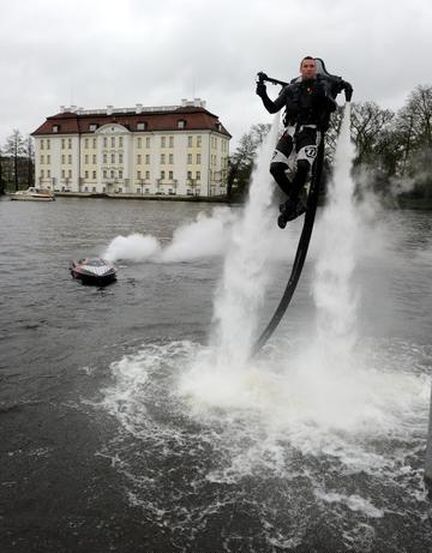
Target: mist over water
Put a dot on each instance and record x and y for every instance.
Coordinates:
(333, 291)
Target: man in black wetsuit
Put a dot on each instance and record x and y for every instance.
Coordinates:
(309, 101)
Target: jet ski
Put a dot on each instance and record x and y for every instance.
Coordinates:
(93, 270)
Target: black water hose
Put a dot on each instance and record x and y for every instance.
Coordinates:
(301, 252)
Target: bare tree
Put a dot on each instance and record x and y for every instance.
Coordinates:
(30, 154)
(369, 122)
(15, 149)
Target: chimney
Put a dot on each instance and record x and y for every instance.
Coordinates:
(62, 109)
(109, 109)
(138, 108)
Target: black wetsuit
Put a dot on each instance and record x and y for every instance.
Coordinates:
(308, 105)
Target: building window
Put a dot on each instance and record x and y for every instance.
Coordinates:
(189, 159)
(105, 158)
(63, 158)
(189, 175)
(42, 160)
(112, 158)
(120, 158)
(171, 142)
(55, 128)
(141, 126)
(138, 175)
(105, 142)
(162, 159)
(104, 173)
(63, 143)
(70, 173)
(94, 142)
(48, 143)
(94, 159)
(162, 175)
(120, 142)
(63, 173)
(147, 174)
(147, 159)
(94, 174)
(198, 141)
(69, 159)
(147, 191)
(198, 175)
(42, 144)
(120, 174)
(170, 175)
(112, 173)
(190, 142)
(163, 142)
(86, 174)
(42, 173)
(181, 124)
(113, 142)
(92, 127)
(171, 159)
(198, 159)
(139, 159)
(48, 173)
(147, 142)
(69, 143)
(139, 143)
(86, 143)
(86, 159)
(48, 159)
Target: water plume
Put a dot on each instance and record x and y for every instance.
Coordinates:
(337, 231)
(245, 276)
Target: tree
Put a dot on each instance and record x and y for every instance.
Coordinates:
(414, 127)
(2, 182)
(369, 125)
(30, 154)
(241, 162)
(15, 149)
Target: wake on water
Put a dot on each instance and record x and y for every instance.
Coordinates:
(348, 401)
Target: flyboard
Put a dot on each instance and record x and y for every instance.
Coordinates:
(309, 219)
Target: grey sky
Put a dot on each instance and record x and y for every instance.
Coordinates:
(121, 52)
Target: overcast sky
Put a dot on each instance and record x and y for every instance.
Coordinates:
(121, 52)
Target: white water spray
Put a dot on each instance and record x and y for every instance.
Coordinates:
(244, 279)
(337, 231)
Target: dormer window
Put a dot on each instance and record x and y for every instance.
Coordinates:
(181, 124)
(55, 128)
(93, 127)
(141, 126)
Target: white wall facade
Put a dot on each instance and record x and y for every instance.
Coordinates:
(114, 160)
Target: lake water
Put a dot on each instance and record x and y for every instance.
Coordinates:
(117, 433)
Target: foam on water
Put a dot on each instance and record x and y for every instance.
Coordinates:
(325, 425)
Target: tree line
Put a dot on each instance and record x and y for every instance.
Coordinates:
(16, 162)
(393, 149)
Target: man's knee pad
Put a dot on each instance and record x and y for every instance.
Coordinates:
(277, 170)
(303, 167)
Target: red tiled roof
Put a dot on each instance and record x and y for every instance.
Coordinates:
(197, 118)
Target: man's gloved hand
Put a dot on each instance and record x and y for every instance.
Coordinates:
(348, 91)
(261, 89)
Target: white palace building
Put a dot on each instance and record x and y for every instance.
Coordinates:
(165, 150)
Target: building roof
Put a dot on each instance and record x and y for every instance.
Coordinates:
(167, 119)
